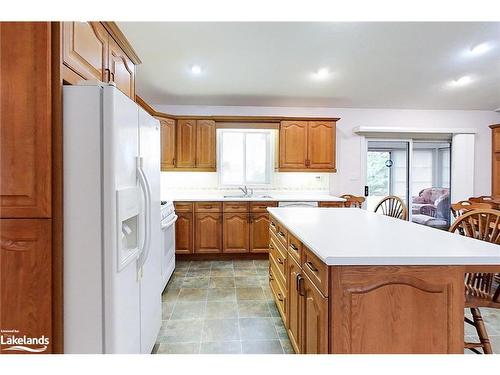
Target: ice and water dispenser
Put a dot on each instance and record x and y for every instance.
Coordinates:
(128, 209)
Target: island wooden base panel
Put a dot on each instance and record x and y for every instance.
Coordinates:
(222, 256)
(396, 309)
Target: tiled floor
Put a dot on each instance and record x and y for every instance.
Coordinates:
(227, 307)
(491, 318)
(221, 307)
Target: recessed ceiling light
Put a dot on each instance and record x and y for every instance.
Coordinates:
(480, 48)
(322, 73)
(462, 81)
(196, 69)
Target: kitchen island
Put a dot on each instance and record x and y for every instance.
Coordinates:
(351, 281)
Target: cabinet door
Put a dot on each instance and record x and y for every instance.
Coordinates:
(184, 233)
(186, 144)
(495, 176)
(167, 131)
(85, 49)
(496, 139)
(205, 144)
(294, 300)
(293, 144)
(235, 232)
(121, 69)
(25, 120)
(208, 232)
(26, 269)
(321, 145)
(259, 233)
(314, 319)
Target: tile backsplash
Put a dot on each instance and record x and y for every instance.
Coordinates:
(290, 181)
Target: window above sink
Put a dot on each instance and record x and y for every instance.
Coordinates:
(245, 157)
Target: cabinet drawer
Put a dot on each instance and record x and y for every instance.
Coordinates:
(278, 243)
(208, 206)
(294, 248)
(183, 206)
(282, 235)
(235, 206)
(261, 206)
(278, 258)
(316, 270)
(278, 291)
(273, 224)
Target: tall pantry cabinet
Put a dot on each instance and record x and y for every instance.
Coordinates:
(26, 283)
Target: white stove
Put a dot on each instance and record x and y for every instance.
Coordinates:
(168, 219)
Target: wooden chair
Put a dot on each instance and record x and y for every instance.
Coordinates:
(486, 199)
(480, 288)
(460, 208)
(352, 200)
(393, 206)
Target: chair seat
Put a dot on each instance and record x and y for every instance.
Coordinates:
(475, 301)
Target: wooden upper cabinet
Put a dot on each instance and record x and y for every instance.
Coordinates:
(321, 145)
(121, 69)
(25, 120)
(26, 264)
(314, 320)
(259, 233)
(186, 144)
(167, 132)
(205, 144)
(293, 144)
(235, 232)
(208, 232)
(85, 49)
(495, 160)
(496, 139)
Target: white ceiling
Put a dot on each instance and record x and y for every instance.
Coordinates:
(373, 65)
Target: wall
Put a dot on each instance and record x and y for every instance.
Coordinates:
(350, 146)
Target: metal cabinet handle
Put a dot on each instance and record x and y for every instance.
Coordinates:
(311, 267)
(280, 297)
(280, 261)
(271, 246)
(300, 284)
(273, 225)
(280, 233)
(294, 248)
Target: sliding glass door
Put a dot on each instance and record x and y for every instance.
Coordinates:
(416, 171)
(387, 171)
(430, 183)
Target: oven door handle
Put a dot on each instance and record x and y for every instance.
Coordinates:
(164, 226)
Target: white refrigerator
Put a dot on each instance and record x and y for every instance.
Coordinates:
(112, 272)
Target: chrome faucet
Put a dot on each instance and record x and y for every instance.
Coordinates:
(245, 191)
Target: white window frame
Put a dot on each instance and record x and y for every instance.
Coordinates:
(270, 150)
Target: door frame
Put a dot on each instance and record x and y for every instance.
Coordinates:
(364, 166)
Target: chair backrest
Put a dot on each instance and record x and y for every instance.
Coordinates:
(482, 199)
(482, 224)
(352, 200)
(460, 208)
(392, 206)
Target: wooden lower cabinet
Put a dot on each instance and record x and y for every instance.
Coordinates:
(236, 233)
(208, 232)
(294, 300)
(259, 233)
(184, 227)
(314, 318)
(26, 287)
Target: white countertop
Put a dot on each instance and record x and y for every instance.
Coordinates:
(351, 236)
(274, 196)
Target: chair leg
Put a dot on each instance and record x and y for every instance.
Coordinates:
(481, 330)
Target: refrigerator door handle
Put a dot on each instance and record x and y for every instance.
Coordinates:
(147, 213)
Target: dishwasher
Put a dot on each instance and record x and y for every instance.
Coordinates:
(297, 204)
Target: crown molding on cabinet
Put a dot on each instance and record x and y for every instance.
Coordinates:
(122, 41)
